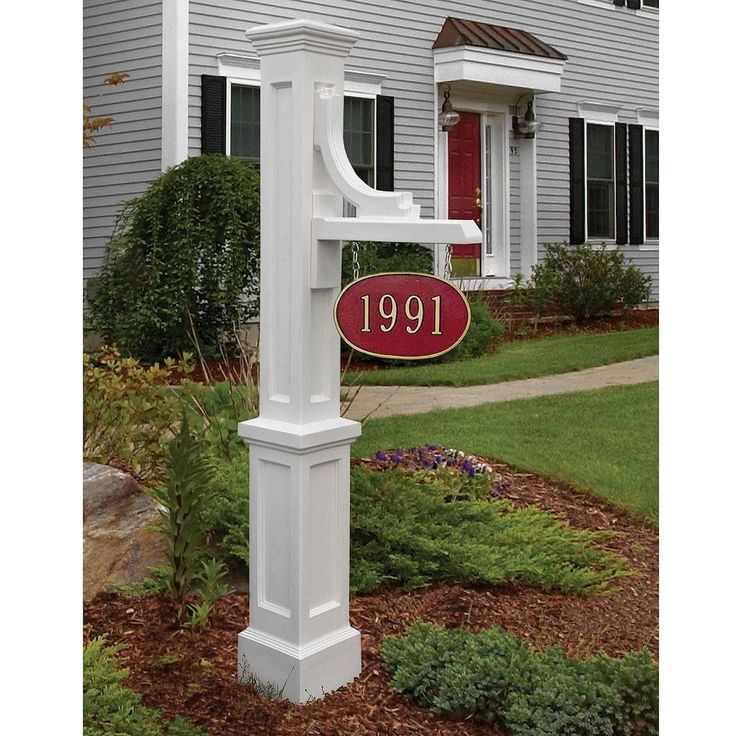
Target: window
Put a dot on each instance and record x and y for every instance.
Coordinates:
(600, 181)
(358, 129)
(650, 3)
(651, 184)
(245, 122)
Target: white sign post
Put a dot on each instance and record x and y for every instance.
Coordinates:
(299, 637)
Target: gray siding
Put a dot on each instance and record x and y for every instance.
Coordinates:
(613, 59)
(120, 37)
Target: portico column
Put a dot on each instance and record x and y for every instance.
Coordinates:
(299, 637)
(527, 203)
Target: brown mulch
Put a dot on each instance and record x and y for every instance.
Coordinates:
(202, 686)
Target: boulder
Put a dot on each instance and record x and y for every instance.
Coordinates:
(121, 543)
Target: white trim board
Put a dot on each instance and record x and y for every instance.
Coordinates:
(174, 82)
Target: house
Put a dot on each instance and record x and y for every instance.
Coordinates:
(556, 140)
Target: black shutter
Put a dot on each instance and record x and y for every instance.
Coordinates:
(636, 183)
(214, 93)
(385, 143)
(622, 186)
(577, 180)
(620, 3)
(633, 4)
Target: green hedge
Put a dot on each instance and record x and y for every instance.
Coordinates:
(495, 677)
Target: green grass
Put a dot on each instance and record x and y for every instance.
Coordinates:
(604, 441)
(521, 359)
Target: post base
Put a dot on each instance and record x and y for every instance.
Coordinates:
(299, 674)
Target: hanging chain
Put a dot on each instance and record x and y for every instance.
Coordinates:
(448, 262)
(356, 262)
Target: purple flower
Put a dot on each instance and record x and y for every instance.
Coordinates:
(380, 455)
(468, 467)
(395, 458)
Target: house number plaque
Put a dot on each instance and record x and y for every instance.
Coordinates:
(407, 316)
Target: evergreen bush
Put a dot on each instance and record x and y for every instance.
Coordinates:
(181, 271)
(110, 709)
(495, 677)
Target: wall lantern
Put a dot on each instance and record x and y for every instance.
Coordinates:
(447, 118)
(528, 126)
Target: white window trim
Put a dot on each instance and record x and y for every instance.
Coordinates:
(244, 70)
(646, 10)
(653, 243)
(603, 119)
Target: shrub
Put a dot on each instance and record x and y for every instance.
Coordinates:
(415, 527)
(130, 411)
(413, 532)
(111, 709)
(495, 677)
(386, 258)
(182, 264)
(483, 336)
(583, 282)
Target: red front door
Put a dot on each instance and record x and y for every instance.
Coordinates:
(463, 159)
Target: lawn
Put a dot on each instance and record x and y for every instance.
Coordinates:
(521, 359)
(604, 442)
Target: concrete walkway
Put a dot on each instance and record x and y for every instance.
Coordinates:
(384, 401)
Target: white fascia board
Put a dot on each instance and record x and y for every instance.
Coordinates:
(522, 71)
(247, 68)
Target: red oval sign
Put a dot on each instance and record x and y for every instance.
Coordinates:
(402, 315)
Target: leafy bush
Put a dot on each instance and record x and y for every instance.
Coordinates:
(414, 532)
(111, 709)
(495, 677)
(182, 264)
(130, 411)
(386, 258)
(583, 282)
(483, 336)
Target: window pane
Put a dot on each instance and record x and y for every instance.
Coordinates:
(600, 209)
(245, 122)
(358, 134)
(600, 190)
(651, 183)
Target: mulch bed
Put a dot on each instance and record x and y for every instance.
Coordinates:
(202, 686)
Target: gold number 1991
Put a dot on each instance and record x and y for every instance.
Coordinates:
(413, 309)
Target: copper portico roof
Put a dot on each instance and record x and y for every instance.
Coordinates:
(459, 32)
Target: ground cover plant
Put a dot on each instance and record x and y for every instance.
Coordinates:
(416, 526)
(520, 359)
(497, 678)
(111, 709)
(604, 442)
